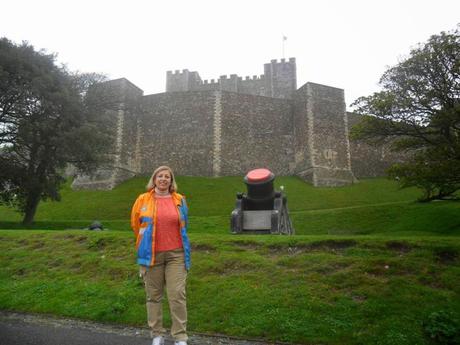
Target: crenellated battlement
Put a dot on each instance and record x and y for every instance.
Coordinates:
(210, 82)
(178, 72)
(275, 61)
(254, 77)
(278, 81)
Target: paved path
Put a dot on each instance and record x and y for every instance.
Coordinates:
(28, 329)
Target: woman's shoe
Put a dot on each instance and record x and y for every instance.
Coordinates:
(158, 340)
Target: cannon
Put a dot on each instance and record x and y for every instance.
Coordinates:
(262, 210)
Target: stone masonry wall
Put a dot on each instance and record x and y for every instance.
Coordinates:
(176, 129)
(256, 132)
(217, 133)
(280, 78)
(121, 99)
(327, 135)
(302, 136)
(368, 160)
(253, 86)
(181, 80)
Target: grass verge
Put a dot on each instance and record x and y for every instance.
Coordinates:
(302, 289)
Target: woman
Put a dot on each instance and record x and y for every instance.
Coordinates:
(159, 221)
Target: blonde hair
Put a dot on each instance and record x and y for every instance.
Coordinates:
(151, 183)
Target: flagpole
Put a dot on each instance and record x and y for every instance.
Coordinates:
(283, 39)
(283, 46)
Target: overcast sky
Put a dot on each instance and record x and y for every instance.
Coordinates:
(346, 44)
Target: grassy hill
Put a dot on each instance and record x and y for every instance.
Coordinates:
(368, 265)
(369, 207)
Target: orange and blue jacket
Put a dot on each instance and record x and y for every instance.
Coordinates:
(143, 223)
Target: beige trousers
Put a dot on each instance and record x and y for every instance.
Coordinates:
(168, 270)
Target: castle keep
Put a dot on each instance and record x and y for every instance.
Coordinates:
(278, 81)
(231, 125)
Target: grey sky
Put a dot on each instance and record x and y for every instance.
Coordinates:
(346, 44)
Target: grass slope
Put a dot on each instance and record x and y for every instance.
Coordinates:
(302, 289)
(371, 206)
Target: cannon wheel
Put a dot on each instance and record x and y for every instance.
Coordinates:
(285, 222)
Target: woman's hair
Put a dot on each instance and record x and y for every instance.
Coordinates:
(151, 183)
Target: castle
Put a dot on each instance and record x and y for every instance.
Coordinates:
(278, 81)
(231, 125)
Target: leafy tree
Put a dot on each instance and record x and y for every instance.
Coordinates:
(419, 110)
(46, 122)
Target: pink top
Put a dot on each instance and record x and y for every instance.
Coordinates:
(167, 233)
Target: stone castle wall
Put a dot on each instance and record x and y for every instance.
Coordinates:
(322, 141)
(177, 130)
(121, 100)
(255, 131)
(217, 132)
(368, 160)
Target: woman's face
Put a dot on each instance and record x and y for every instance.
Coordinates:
(163, 180)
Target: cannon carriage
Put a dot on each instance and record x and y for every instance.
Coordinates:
(262, 210)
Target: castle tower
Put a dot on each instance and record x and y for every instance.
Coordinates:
(322, 147)
(280, 78)
(120, 98)
(182, 81)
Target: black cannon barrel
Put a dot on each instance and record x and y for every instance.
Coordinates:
(261, 192)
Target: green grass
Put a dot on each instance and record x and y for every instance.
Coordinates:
(374, 206)
(211, 197)
(302, 289)
(368, 265)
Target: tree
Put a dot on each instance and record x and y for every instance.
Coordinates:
(419, 111)
(46, 123)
